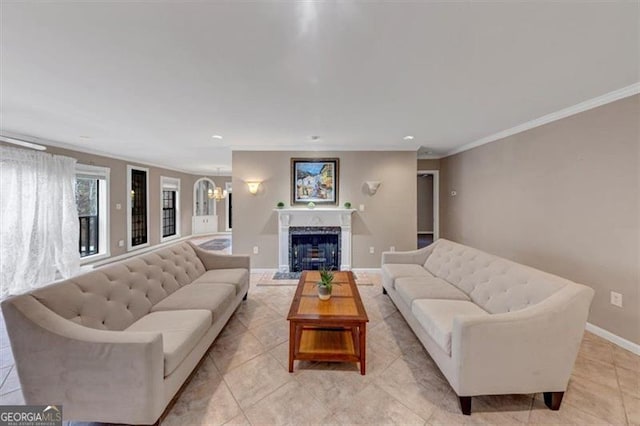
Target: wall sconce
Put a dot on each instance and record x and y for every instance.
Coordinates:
(373, 186)
(253, 187)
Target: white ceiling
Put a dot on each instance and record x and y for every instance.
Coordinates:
(154, 81)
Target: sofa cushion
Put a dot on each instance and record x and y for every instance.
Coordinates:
(178, 261)
(181, 331)
(238, 277)
(411, 288)
(497, 285)
(392, 271)
(215, 298)
(436, 317)
(508, 287)
(453, 262)
(115, 296)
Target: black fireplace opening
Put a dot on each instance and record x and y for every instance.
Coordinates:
(314, 247)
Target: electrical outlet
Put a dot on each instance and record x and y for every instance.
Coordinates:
(372, 250)
(392, 248)
(616, 299)
(256, 250)
(121, 243)
(118, 206)
(361, 207)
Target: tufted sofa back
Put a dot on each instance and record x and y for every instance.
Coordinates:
(496, 285)
(115, 296)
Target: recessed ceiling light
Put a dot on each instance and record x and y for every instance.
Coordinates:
(85, 137)
(216, 137)
(408, 138)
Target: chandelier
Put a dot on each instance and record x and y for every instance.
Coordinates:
(217, 193)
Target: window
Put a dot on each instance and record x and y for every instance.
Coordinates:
(92, 195)
(170, 207)
(138, 207)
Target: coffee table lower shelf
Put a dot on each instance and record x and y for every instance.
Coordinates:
(331, 344)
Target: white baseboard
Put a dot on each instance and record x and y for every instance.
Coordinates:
(613, 338)
(263, 270)
(368, 270)
(137, 252)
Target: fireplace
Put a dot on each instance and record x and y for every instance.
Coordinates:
(314, 247)
(322, 237)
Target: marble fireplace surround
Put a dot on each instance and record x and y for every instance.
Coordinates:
(317, 217)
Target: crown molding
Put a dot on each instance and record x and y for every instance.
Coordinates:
(84, 150)
(607, 98)
(430, 157)
(323, 148)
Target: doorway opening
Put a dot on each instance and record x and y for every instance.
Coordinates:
(428, 207)
(229, 207)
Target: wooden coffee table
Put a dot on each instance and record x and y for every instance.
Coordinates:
(331, 330)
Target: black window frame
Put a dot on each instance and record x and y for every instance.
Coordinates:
(169, 213)
(139, 207)
(89, 226)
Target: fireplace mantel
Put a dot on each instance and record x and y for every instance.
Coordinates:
(322, 216)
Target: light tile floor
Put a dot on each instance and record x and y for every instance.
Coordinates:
(244, 379)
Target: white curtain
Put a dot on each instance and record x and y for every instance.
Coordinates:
(38, 218)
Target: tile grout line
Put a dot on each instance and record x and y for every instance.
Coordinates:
(624, 406)
(267, 395)
(400, 402)
(4, 379)
(247, 360)
(230, 392)
(531, 407)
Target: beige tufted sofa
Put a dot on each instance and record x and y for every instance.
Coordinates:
(116, 344)
(491, 325)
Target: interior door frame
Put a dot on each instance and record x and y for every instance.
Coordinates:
(229, 188)
(436, 200)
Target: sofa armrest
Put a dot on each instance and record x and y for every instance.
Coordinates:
(526, 351)
(221, 261)
(417, 257)
(97, 375)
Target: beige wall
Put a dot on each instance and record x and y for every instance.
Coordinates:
(429, 164)
(563, 198)
(389, 218)
(118, 194)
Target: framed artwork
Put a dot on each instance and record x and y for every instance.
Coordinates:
(314, 179)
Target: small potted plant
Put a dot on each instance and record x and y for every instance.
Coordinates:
(325, 284)
(280, 205)
(347, 205)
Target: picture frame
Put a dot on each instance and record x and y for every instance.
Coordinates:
(315, 180)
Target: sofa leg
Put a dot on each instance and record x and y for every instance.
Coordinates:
(465, 405)
(384, 290)
(246, 295)
(553, 400)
